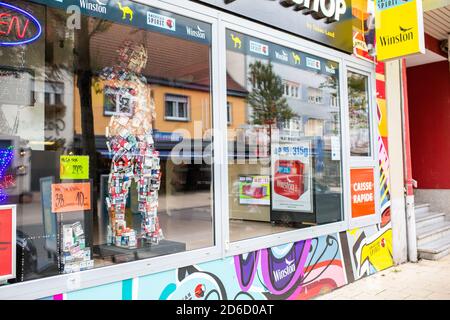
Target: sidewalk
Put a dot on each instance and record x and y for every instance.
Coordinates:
(429, 280)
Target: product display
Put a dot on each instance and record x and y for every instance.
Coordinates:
(131, 144)
(75, 256)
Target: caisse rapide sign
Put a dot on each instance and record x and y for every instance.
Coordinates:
(362, 192)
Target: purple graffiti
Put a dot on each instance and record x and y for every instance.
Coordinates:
(282, 273)
(246, 269)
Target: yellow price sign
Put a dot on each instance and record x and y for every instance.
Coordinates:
(74, 167)
(399, 28)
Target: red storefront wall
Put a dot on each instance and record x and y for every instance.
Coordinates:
(429, 116)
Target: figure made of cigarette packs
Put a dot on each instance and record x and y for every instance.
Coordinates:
(131, 144)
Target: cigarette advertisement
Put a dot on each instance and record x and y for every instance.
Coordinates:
(292, 173)
(254, 190)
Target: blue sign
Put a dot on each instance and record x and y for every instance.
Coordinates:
(15, 23)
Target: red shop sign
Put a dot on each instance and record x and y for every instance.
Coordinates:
(7, 242)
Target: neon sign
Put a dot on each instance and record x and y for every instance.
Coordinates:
(10, 24)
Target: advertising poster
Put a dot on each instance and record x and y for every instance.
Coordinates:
(74, 167)
(363, 192)
(7, 242)
(364, 40)
(254, 190)
(399, 37)
(69, 197)
(291, 172)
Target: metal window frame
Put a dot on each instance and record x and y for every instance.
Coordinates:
(227, 21)
(371, 161)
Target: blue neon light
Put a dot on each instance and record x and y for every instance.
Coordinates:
(32, 18)
(6, 156)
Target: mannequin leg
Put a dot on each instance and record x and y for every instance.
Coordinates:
(118, 188)
(147, 174)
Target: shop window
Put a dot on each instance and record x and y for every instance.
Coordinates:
(282, 173)
(359, 115)
(87, 157)
(177, 108)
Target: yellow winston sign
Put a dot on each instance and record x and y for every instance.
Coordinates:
(399, 28)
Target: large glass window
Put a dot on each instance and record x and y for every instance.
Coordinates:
(359, 114)
(84, 112)
(284, 160)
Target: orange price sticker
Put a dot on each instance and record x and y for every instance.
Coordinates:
(363, 192)
(68, 197)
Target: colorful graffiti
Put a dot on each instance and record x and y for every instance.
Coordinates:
(294, 271)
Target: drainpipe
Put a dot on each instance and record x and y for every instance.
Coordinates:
(409, 181)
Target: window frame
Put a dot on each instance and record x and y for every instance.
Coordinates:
(371, 161)
(227, 21)
(177, 117)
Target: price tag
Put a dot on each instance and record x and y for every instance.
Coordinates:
(74, 167)
(68, 197)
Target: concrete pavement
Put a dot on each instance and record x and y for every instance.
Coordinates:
(429, 280)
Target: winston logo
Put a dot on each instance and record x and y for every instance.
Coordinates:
(283, 56)
(98, 7)
(283, 273)
(404, 35)
(196, 32)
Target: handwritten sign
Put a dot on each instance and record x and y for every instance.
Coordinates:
(69, 197)
(363, 192)
(74, 167)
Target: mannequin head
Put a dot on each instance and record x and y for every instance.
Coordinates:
(132, 57)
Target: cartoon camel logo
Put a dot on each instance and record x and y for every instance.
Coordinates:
(296, 57)
(126, 11)
(237, 41)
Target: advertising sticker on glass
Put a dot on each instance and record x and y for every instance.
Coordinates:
(291, 172)
(254, 190)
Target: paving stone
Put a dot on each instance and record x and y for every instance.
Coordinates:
(412, 281)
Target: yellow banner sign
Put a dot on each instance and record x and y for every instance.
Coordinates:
(399, 28)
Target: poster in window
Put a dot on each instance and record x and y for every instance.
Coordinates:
(7, 242)
(292, 174)
(71, 197)
(254, 190)
(362, 192)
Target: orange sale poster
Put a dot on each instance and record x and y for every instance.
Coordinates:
(68, 197)
(363, 192)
